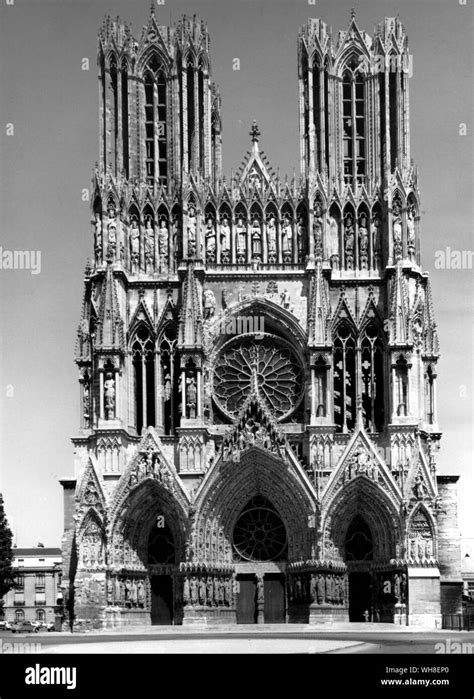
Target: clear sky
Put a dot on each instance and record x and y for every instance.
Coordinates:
(48, 160)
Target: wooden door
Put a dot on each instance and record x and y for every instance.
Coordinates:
(246, 600)
(274, 599)
(161, 600)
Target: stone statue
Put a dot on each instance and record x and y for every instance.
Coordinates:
(111, 233)
(134, 236)
(141, 593)
(225, 235)
(193, 586)
(202, 591)
(376, 242)
(320, 589)
(109, 392)
(363, 243)
(287, 238)
(134, 593)
(210, 591)
(318, 231)
(191, 232)
(191, 395)
(397, 230)
(186, 591)
(333, 246)
(300, 238)
(241, 239)
(98, 237)
(285, 298)
(117, 591)
(176, 239)
(149, 240)
(209, 303)
(256, 234)
(411, 237)
(349, 241)
(210, 236)
(419, 488)
(271, 239)
(163, 238)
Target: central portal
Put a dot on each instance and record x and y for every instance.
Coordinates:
(274, 599)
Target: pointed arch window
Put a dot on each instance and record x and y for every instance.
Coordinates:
(190, 78)
(156, 151)
(170, 379)
(143, 359)
(115, 115)
(125, 129)
(344, 378)
(359, 543)
(372, 378)
(430, 396)
(353, 123)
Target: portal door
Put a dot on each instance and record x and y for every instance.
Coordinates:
(246, 599)
(161, 600)
(274, 599)
(360, 596)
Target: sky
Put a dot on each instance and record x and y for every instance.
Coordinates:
(47, 162)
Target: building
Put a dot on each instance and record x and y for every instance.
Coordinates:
(258, 356)
(467, 570)
(37, 593)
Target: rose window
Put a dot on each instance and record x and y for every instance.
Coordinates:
(269, 364)
(259, 534)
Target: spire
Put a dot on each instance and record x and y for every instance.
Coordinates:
(190, 331)
(353, 13)
(320, 310)
(110, 333)
(399, 307)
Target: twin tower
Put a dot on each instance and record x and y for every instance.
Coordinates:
(257, 356)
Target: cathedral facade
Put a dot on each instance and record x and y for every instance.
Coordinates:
(257, 356)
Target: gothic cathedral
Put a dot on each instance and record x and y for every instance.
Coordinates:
(257, 356)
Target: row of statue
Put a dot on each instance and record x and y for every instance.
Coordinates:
(254, 239)
(397, 231)
(151, 465)
(157, 246)
(252, 432)
(420, 548)
(207, 590)
(146, 247)
(126, 592)
(321, 588)
(391, 586)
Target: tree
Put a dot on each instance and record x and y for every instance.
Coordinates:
(6, 555)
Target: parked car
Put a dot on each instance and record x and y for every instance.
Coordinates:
(24, 627)
(43, 626)
(5, 626)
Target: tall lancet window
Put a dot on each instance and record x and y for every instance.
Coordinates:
(344, 378)
(156, 155)
(372, 378)
(317, 113)
(149, 130)
(190, 75)
(353, 122)
(161, 129)
(143, 358)
(125, 129)
(430, 397)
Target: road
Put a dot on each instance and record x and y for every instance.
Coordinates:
(181, 640)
